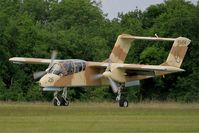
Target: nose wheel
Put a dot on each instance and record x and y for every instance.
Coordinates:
(61, 100)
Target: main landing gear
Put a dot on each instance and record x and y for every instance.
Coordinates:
(61, 100)
(123, 102)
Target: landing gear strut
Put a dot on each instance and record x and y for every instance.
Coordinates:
(123, 102)
(61, 100)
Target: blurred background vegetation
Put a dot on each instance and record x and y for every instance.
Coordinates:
(79, 29)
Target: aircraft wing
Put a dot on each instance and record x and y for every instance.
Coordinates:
(31, 60)
(148, 70)
(98, 64)
(138, 69)
(149, 67)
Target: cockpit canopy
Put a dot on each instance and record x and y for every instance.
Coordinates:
(68, 67)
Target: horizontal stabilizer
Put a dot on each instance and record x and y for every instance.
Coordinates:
(126, 36)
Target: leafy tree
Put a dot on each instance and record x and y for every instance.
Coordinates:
(34, 94)
(152, 55)
(2, 90)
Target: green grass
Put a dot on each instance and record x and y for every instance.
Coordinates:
(98, 117)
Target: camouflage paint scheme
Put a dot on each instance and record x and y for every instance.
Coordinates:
(120, 72)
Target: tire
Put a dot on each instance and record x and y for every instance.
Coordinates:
(123, 103)
(56, 102)
(64, 102)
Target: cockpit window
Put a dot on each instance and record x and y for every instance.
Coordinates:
(68, 67)
(56, 69)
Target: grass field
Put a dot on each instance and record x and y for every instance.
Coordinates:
(98, 117)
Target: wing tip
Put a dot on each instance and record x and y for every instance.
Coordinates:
(12, 59)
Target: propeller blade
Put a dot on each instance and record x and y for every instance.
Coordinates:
(109, 65)
(113, 85)
(53, 56)
(38, 75)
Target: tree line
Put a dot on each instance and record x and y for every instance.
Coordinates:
(79, 29)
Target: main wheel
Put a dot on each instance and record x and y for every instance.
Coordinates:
(64, 102)
(56, 102)
(123, 103)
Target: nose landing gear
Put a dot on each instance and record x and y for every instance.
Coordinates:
(61, 100)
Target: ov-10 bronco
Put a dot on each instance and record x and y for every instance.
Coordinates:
(62, 74)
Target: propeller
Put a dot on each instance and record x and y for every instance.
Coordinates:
(53, 56)
(95, 77)
(40, 74)
(37, 75)
(107, 74)
(113, 85)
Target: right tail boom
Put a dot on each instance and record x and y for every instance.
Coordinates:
(177, 53)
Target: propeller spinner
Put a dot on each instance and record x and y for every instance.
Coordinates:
(108, 74)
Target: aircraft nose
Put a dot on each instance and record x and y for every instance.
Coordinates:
(48, 80)
(42, 81)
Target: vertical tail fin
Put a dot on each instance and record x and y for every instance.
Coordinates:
(177, 52)
(121, 48)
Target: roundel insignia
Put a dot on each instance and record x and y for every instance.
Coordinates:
(50, 79)
(177, 58)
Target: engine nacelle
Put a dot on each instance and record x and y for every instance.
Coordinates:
(118, 75)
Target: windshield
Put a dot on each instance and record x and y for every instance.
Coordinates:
(56, 69)
(68, 67)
